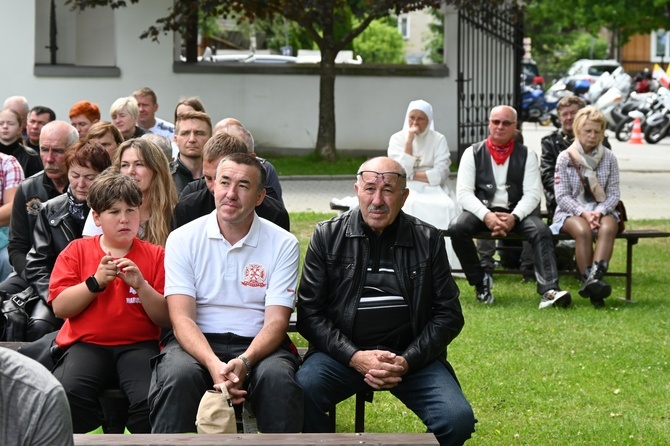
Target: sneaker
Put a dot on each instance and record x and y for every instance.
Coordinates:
(484, 294)
(553, 297)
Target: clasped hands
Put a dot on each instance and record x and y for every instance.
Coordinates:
(382, 369)
(593, 218)
(231, 375)
(500, 223)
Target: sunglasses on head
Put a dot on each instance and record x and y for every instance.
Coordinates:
(505, 123)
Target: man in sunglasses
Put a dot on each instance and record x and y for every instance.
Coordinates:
(379, 306)
(499, 187)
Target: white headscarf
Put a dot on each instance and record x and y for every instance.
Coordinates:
(423, 106)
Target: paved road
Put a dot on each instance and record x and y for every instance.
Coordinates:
(645, 173)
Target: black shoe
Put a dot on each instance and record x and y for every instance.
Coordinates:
(595, 287)
(597, 303)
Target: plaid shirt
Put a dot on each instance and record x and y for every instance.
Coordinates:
(11, 174)
(568, 187)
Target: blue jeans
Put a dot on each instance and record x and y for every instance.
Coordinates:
(532, 227)
(432, 393)
(5, 266)
(178, 383)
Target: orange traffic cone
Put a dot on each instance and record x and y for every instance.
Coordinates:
(636, 134)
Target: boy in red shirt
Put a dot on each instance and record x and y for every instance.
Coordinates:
(109, 290)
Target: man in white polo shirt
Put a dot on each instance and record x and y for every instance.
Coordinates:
(230, 287)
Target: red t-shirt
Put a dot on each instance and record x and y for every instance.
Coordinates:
(116, 316)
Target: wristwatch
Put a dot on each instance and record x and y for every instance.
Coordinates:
(246, 363)
(93, 285)
(516, 219)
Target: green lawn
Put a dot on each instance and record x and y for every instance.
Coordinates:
(311, 165)
(575, 376)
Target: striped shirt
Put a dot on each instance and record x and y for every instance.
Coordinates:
(382, 319)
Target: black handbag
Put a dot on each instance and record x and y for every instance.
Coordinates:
(14, 317)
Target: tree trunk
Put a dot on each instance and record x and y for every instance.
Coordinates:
(325, 143)
(192, 37)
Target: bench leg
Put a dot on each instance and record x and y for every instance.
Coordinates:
(360, 413)
(629, 268)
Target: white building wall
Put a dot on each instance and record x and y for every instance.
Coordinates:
(280, 110)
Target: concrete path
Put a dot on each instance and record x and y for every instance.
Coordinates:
(645, 173)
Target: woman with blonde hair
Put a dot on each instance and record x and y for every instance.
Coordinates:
(587, 192)
(145, 163)
(124, 113)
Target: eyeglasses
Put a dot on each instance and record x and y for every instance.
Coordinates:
(390, 178)
(505, 123)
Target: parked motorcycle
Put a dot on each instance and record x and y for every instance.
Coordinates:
(658, 123)
(534, 107)
(607, 94)
(638, 105)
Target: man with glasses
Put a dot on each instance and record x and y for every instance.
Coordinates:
(499, 187)
(379, 306)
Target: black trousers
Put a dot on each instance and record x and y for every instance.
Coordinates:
(86, 369)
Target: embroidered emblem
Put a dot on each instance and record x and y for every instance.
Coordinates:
(33, 206)
(255, 275)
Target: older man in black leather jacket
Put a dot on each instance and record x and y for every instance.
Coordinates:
(379, 306)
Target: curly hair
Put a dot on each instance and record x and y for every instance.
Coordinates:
(88, 109)
(162, 194)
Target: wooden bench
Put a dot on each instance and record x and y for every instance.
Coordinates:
(361, 397)
(255, 439)
(632, 238)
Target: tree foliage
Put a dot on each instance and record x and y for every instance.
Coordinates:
(565, 31)
(435, 40)
(325, 21)
(380, 43)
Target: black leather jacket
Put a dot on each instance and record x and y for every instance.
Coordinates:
(180, 174)
(54, 230)
(332, 282)
(27, 204)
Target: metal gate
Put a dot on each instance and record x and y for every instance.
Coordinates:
(490, 48)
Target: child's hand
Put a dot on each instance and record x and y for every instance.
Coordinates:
(106, 271)
(129, 273)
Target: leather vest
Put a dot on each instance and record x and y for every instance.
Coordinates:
(485, 183)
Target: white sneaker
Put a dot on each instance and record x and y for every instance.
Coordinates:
(553, 297)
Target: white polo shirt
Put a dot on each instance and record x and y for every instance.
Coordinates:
(232, 284)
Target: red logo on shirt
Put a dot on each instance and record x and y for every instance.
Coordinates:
(254, 275)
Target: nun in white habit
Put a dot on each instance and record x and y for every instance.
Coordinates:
(424, 154)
